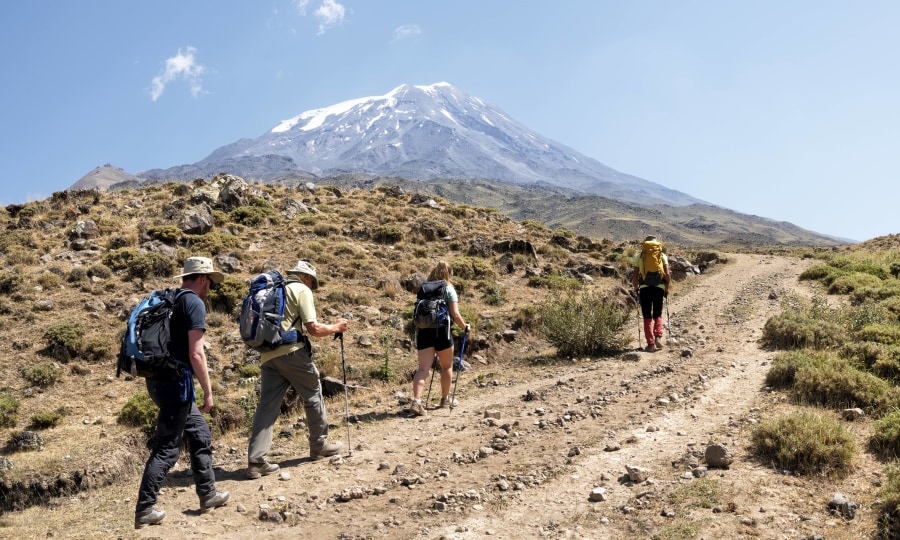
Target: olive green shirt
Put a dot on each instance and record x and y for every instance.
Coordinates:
(299, 309)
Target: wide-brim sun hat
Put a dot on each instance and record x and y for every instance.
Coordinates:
(650, 238)
(201, 265)
(303, 267)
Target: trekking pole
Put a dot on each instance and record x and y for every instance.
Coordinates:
(428, 397)
(639, 321)
(668, 320)
(462, 351)
(340, 335)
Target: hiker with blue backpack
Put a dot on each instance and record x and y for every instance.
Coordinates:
(290, 363)
(650, 279)
(172, 390)
(437, 304)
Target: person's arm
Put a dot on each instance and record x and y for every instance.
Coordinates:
(317, 329)
(668, 278)
(457, 318)
(198, 363)
(635, 280)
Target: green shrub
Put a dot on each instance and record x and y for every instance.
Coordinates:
(45, 420)
(888, 334)
(857, 264)
(473, 268)
(385, 371)
(254, 216)
(76, 274)
(554, 282)
(212, 244)
(822, 272)
(228, 295)
(65, 334)
(11, 282)
(249, 371)
(889, 515)
(885, 439)
(168, 234)
(387, 234)
(225, 417)
(877, 292)
(326, 230)
(139, 411)
(98, 349)
(583, 324)
(9, 406)
(49, 280)
(42, 375)
(786, 365)
(805, 443)
(837, 384)
(118, 259)
(99, 271)
(850, 282)
(793, 330)
(150, 264)
(495, 295)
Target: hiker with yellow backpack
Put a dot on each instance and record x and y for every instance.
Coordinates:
(651, 281)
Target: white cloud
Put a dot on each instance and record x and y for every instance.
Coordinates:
(406, 31)
(301, 6)
(330, 13)
(184, 66)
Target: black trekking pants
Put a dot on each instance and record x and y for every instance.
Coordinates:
(176, 420)
(652, 302)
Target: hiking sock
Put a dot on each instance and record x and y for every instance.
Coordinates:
(648, 331)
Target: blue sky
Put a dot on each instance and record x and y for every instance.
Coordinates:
(784, 109)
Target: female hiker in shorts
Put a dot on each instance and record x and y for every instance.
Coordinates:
(431, 341)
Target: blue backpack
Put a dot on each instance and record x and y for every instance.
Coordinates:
(262, 312)
(144, 351)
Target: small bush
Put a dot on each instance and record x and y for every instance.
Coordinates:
(837, 384)
(42, 375)
(822, 272)
(387, 234)
(793, 330)
(583, 324)
(11, 282)
(119, 259)
(212, 244)
(889, 334)
(249, 371)
(385, 371)
(554, 282)
(228, 295)
(139, 411)
(889, 516)
(49, 280)
(495, 295)
(885, 441)
(45, 420)
(254, 216)
(227, 417)
(9, 406)
(850, 282)
(97, 349)
(65, 334)
(150, 264)
(167, 234)
(805, 443)
(786, 365)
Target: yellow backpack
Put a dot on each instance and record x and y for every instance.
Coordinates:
(652, 270)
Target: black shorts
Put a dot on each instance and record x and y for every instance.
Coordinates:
(439, 338)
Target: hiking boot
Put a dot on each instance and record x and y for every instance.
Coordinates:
(651, 347)
(217, 499)
(658, 342)
(448, 402)
(416, 409)
(150, 516)
(330, 449)
(255, 470)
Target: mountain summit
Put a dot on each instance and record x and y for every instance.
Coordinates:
(424, 133)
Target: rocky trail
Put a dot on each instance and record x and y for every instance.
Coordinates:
(527, 450)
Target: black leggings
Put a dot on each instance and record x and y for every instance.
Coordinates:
(651, 302)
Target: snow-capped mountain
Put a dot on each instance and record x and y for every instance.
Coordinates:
(423, 133)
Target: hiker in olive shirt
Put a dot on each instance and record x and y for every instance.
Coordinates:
(292, 365)
(651, 296)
